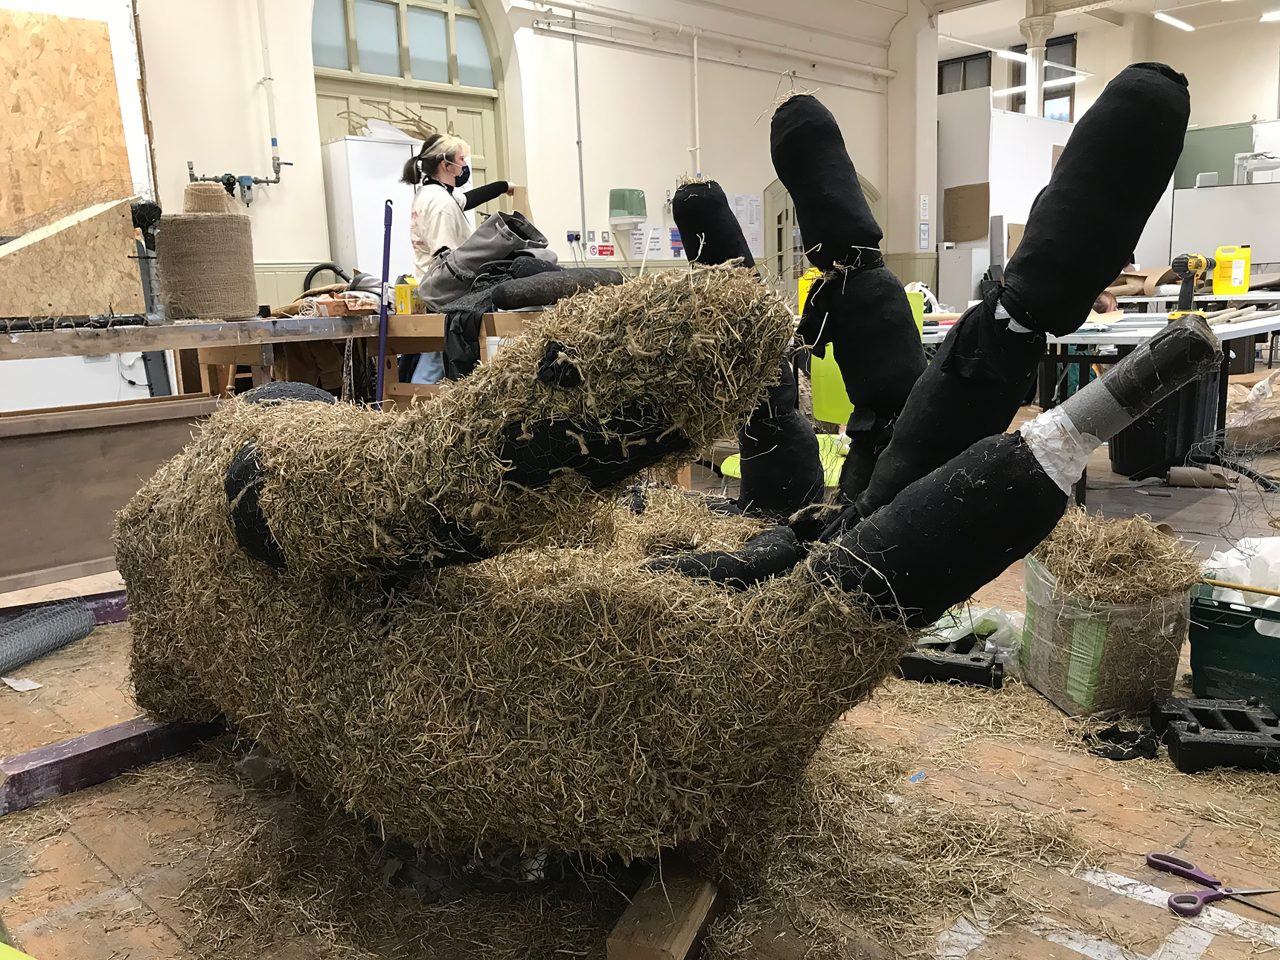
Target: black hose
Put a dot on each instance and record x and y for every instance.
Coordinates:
(320, 268)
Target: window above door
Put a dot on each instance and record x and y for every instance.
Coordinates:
(441, 44)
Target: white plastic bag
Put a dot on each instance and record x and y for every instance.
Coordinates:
(1253, 562)
(1001, 629)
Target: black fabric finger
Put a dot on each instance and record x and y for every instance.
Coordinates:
(708, 229)
(780, 464)
(809, 156)
(972, 390)
(1086, 222)
(767, 554)
(948, 533)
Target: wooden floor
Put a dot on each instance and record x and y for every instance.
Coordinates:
(106, 874)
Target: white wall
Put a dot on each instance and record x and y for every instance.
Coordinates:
(964, 148)
(1104, 50)
(203, 66)
(637, 128)
(1233, 71)
(1021, 161)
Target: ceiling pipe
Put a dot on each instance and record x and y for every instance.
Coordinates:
(550, 29)
(577, 6)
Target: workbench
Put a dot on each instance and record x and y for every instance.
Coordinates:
(250, 342)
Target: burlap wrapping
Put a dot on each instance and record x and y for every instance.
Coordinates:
(208, 198)
(206, 266)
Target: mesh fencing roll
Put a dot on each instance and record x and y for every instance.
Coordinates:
(43, 630)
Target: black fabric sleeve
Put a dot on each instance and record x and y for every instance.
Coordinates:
(490, 191)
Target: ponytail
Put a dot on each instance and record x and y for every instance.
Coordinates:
(435, 149)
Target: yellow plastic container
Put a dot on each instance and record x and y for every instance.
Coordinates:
(404, 296)
(1231, 275)
(805, 282)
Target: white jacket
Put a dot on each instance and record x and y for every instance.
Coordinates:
(437, 220)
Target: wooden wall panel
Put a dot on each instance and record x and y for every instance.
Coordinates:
(62, 141)
(66, 472)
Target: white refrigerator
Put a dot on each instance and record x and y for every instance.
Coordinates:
(360, 175)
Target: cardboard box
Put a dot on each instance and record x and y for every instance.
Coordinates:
(966, 212)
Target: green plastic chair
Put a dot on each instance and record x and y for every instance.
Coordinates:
(830, 399)
(830, 451)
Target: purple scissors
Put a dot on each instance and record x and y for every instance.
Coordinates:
(1190, 904)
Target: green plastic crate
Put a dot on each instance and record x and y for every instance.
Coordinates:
(1230, 659)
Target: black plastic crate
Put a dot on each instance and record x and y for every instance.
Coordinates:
(1168, 432)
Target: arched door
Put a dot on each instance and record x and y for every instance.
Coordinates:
(391, 58)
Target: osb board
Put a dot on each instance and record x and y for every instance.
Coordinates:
(61, 134)
(75, 266)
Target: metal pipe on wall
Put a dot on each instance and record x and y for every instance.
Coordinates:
(777, 49)
(697, 123)
(582, 170)
(550, 29)
(268, 84)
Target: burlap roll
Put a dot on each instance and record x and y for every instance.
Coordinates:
(208, 198)
(206, 266)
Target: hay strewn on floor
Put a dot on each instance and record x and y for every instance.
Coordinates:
(1121, 561)
(351, 490)
(858, 857)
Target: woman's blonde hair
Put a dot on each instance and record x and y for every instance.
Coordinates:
(436, 149)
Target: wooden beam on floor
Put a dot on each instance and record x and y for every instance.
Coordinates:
(667, 917)
(62, 768)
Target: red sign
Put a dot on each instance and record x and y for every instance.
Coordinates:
(606, 249)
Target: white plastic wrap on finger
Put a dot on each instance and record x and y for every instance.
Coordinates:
(1061, 449)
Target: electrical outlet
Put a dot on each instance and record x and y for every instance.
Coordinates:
(604, 236)
(591, 236)
(573, 236)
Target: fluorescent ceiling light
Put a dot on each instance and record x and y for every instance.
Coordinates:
(1012, 55)
(1173, 21)
(1271, 16)
(1002, 54)
(1048, 85)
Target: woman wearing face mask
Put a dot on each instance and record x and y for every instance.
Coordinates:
(440, 216)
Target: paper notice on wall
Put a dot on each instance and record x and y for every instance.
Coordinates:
(646, 235)
(748, 208)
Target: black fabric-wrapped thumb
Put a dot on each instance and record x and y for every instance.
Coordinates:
(809, 156)
(1086, 222)
(710, 232)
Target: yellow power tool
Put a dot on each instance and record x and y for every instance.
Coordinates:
(1191, 268)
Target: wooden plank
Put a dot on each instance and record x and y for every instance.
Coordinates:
(667, 917)
(415, 325)
(26, 423)
(62, 143)
(63, 768)
(398, 345)
(99, 241)
(510, 323)
(180, 336)
(257, 354)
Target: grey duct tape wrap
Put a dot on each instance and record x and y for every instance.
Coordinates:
(710, 232)
(544, 289)
(810, 158)
(1183, 351)
(1084, 225)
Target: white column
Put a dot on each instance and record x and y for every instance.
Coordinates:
(1036, 29)
(912, 179)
